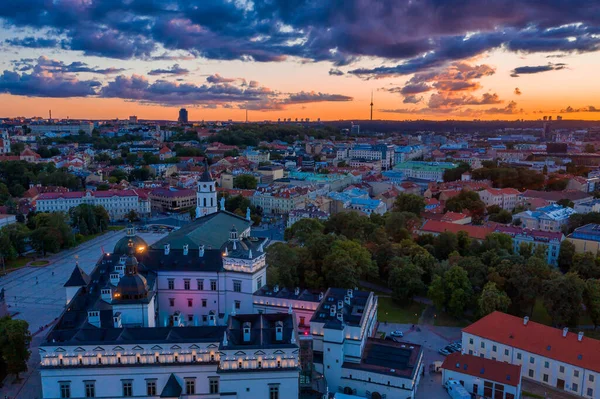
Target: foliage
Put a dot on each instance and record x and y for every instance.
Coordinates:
(303, 229)
(519, 178)
(467, 200)
(456, 173)
(247, 182)
(346, 263)
(14, 344)
(406, 279)
(565, 255)
(132, 216)
(89, 219)
(504, 217)
(563, 296)
(453, 291)
(492, 299)
(409, 203)
(16, 175)
(51, 233)
(253, 134)
(591, 298)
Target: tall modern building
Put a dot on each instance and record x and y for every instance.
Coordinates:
(183, 116)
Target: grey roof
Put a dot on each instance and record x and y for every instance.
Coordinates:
(155, 259)
(206, 176)
(78, 278)
(352, 313)
(212, 231)
(262, 331)
(172, 388)
(284, 293)
(245, 247)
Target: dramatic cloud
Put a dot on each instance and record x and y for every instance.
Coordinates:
(55, 66)
(518, 91)
(589, 108)
(510, 109)
(175, 70)
(416, 35)
(528, 70)
(216, 78)
(33, 42)
(312, 97)
(46, 84)
(336, 72)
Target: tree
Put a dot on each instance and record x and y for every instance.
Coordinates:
(346, 263)
(503, 217)
(591, 299)
(467, 200)
(492, 299)
(282, 260)
(565, 202)
(563, 296)
(247, 182)
(458, 290)
(14, 344)
(456, 173)
(132, 216)
(400, 225)
(405, 279)
(445, 243)
(584, 264)
(498, 242)
(302, 229)
(103, 187)
(476, 270)
(118, 174)
(437, 293)
(409, 203)
(565, 255)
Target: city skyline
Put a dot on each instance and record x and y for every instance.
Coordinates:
(231, 60)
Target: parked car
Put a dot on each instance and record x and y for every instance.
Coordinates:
(444, 352)
(397, 333)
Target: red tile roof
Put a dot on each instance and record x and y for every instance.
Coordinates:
(539, 339)
(487, 369)
(453, 216)
(437, 227)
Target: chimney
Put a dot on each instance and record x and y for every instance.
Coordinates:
(580, 336)
(201, 251)
(94, 318)
(350, 293)
(117, 320)
(225, 341)
(525, 320)
(185, 249)
(246, 329)
(320, 296)
(347, 299)
(332, 310)
(565, 331)
(279, 331)
(340, 316)
(167, 249)
(106, 294)
(297, 291)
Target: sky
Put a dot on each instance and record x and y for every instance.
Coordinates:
(419, 59)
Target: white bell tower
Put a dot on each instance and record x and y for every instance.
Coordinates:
(206, 194)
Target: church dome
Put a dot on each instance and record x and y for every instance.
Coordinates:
(122, 246)
(132, 287)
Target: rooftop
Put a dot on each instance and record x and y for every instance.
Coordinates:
(539, 339)
(399, 359)
(352, 312)
(487, 369)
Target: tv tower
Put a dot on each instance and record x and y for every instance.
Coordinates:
(371, 104)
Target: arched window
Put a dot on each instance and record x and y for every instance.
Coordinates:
(205, 202)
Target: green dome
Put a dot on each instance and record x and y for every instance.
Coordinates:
(121, 247)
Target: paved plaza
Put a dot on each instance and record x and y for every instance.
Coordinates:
(37, 295)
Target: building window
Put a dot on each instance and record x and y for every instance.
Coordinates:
(531, 374)
(561, 369)
(591, 377)
(151, 388)
(518, 356)
(545, 378)
(590, 392)
(238, 304)
(190, 387)
(273, 392)
(190, 303)
(190, 318)
(576, 373)
(213, 285)
(505, 352)
(171, 284)
(186, 284)
(90, 389)
(546, 365)
(200, 285)
(204, 303)
(482, 345)
(127, 389)
(65, 389)
(259, 283)
(237, 286)
(494, 348)
(531, 359)
(204, 318)
(213, 385)
(575, 387)
(171, 302)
